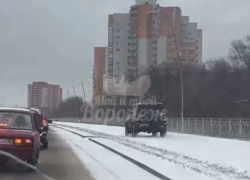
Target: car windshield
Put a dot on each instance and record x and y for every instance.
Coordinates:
(13, 120)
(146, 108)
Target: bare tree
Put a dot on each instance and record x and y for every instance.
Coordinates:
(240, 51)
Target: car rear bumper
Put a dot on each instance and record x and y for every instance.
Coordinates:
(150, 127)
(21, 154)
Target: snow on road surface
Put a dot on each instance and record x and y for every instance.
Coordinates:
(168, 169)
(102, 163)
(212, 157)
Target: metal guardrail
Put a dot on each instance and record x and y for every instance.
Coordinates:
(214, 127)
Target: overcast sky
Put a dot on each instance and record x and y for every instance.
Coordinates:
(53, 40)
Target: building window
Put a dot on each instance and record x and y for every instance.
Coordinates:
(117, 37)
(118, 30)
(170, 38)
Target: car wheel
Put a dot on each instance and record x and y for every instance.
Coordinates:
(163, 134)
(46, 145)
(126, 130)
(33, 162)
(134, 130)
(154, 134)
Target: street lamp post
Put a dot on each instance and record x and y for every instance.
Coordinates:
(76, 102)
(181, 78)
(69, 105)
(83, 92)
(181, 75)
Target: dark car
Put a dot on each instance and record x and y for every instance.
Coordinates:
(43, 121)
(19, 135)
(148, 118)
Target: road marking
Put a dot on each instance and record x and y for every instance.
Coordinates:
(25, 164)
(98, 162)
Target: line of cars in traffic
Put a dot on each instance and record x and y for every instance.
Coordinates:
(22, 132)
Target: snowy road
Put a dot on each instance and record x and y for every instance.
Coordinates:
(177, 156)
(102, 163)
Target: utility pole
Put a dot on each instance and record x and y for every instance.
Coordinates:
(69, 105)
(76, 102)
(68, 93)
(83, 92)
(74, 91)
(180, 71)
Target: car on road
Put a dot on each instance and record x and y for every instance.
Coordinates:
(148, 118)
(19, 135)
(43, 121)
(50, 121)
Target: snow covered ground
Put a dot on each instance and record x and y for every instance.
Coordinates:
(102, 163)
(212, 158)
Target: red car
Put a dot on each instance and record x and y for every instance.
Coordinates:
(19, 135)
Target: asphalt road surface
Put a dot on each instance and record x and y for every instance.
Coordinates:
(58, 162)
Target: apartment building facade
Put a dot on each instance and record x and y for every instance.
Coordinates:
(117, 45)
(44, 95)
(160, 34)
(100, 57)
(191, 41)
(140, 36)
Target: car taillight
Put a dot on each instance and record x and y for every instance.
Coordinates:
(28, 141)
(3, 125)
(45, 122)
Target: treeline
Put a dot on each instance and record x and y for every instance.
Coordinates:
(218, 88)
(70, 108)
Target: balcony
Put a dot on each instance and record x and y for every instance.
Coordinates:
(188, 40)
(132, 51)
(188, 47)
(188, 56)
(171, 48)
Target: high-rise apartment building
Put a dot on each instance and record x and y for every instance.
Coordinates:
(160, 34)
(44, 95)
(168, 30)
(140, 36)
(117, 45)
